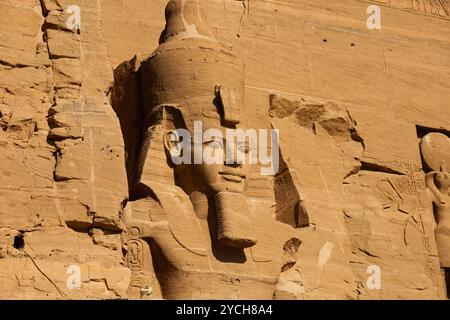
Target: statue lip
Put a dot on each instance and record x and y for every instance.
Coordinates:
(232, 176)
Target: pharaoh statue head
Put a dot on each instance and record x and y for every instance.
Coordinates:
(188, 192)
(191, 84)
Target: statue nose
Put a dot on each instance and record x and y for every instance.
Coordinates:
(234, 164)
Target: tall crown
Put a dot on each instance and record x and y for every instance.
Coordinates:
(183, 20)
(191, 69)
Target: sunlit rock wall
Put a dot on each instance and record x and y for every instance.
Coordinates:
(63, 181)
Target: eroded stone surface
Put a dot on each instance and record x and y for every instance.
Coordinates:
(351, 105)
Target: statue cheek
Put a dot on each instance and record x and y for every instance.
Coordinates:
(205, 174)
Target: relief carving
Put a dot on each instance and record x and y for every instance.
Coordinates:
(435, 148)
(139, 261)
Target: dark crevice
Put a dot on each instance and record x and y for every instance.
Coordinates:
(291, 246)
(447, 281)
(367, 166)
(43, 8)
(290, 249)
(19, 241)
(18, 65)
(287, 266)
(57, 178)
(368, 253)
(46, 11)
(290, 208)
(357, 137)
(79, 226)
(423, 131)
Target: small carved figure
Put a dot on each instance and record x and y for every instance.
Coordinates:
(438, 184)
(435, 149)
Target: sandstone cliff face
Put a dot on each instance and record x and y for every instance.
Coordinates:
(351, 105)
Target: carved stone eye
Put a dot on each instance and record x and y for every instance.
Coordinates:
(214, 144)
(243, 148)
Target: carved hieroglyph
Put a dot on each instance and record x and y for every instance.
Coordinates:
(204, 239)
(435, 148)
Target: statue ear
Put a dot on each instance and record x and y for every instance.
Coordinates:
(173, 143)
(177, 144)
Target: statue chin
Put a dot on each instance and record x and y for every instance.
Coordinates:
(228, 186)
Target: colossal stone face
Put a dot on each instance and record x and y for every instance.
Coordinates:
(442, 180)
(210, 174)
(224, 164)
(228, 174)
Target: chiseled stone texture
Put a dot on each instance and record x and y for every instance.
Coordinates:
(348, 101)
